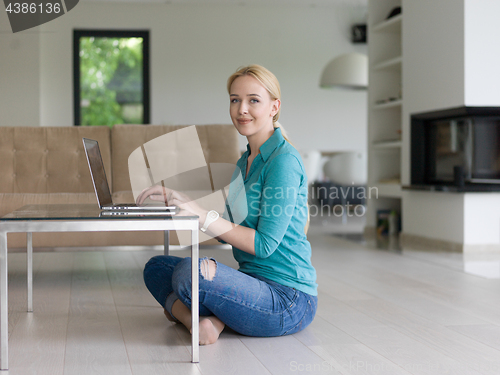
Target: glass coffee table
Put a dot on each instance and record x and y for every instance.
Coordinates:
(86, 218)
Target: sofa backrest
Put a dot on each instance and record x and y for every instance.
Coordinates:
(219, 144)
(49, 159)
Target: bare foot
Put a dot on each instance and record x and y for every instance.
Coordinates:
(210, 326)
(210, 329)
(169, 317)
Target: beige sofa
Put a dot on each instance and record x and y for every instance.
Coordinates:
(47, 165)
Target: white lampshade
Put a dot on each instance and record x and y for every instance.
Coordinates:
(348, 71)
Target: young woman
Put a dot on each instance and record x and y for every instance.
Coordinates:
(274, 291)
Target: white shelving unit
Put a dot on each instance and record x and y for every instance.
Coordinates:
(391, 25)
(387, 145)
(389, 190)
(385, 103)
(391, 64)
(389, 104)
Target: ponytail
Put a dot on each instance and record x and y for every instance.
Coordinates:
(283, 131)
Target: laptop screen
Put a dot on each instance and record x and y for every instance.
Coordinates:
(97, 172)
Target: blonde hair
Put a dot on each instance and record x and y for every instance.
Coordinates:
(268, 80)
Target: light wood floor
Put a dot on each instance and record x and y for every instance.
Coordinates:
(380, 312)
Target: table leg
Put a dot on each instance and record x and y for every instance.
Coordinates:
(29, 267)
(166, 242)
(195, 297)
(4, 309)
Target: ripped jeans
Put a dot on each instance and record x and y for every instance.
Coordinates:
(249, 304)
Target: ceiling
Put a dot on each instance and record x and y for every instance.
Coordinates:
(246, 2)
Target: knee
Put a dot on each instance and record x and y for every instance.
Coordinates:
(158, 268)
(181, 279)
(153, 262)
(208, 267)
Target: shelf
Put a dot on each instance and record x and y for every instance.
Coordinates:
(387, 144)
(385, 108)
(389, 104)
(390, 64)
(392, 25)
(389, 190)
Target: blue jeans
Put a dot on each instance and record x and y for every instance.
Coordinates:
(248, 304)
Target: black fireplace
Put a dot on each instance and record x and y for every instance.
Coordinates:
(456, 149)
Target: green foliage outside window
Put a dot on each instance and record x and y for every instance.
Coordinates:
(111, 81)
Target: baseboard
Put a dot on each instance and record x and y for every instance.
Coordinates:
(487, 248)
(423, 243)
(370, 232)
(412, 241)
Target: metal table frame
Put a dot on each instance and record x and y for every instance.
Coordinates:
(91, 225)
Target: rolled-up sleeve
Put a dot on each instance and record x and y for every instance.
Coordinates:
(278, 203)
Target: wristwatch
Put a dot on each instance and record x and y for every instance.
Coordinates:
(211, 217)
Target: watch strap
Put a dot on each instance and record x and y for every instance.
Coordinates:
(211, 217)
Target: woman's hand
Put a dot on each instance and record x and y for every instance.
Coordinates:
(184, 202)
(172, 198)
(155, 193)
(239, 236)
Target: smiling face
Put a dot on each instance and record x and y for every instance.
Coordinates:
(252, 109)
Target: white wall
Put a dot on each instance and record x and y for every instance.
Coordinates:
(451, 59)
(19, 76)
(194, 48)
(482, 53)
(438, 216)
(433, 53)
(433, 62)
(482, 221)
(433, 78)
(482, 82)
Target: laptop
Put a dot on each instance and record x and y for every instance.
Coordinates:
(101, 187)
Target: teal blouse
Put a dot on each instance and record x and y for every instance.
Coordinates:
(276, 207)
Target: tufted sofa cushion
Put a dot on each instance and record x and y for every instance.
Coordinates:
(46, 160)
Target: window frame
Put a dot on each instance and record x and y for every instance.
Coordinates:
(103, 33)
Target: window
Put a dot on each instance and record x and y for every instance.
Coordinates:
(111, 77)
